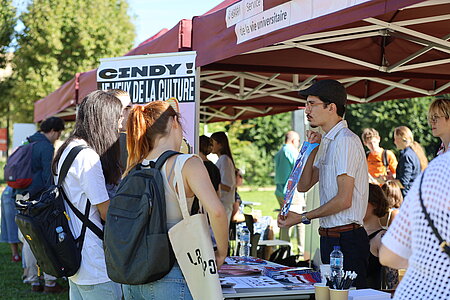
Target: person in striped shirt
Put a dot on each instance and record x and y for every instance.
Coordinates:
(340, 167)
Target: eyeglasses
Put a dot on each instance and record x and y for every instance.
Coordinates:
(310, 105)
(434, 118)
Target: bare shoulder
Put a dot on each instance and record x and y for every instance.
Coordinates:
(393, 214)
(193, 163)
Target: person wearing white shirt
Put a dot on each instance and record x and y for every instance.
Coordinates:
(341, 170)
(225, 163)
(411, 243)
(96, 126)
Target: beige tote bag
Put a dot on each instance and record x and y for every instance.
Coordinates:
(191, 242)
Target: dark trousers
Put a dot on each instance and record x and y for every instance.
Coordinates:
(355, 247)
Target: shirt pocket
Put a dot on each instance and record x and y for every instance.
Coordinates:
(328, 179)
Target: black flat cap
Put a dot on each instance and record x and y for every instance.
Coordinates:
(329, 90)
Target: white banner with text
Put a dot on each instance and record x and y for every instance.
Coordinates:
(154, 77)
(252, 21)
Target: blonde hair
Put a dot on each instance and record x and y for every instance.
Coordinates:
(369, 133)
(406, 135)
(441, 105)
(145, 124)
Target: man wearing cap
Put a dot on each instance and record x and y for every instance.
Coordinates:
(340, 167)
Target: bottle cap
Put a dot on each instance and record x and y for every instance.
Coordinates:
(59, 229)
(337, 247)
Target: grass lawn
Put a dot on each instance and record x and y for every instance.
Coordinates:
(268, 204)
(266, 198)
(11, 286)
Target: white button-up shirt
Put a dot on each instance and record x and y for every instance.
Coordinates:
(411, 237)
(341, 152)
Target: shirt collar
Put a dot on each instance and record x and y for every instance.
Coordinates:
(441, 149)
(331, 135)
(404, 150)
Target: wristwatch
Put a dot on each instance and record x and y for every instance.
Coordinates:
(305, 220)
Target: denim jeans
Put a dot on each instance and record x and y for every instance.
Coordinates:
(107, 290)
(172, 286)
(355, 247)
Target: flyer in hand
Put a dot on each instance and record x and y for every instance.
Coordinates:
(296, 172)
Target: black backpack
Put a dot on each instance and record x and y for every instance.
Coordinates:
(137, 246)
(38, 220)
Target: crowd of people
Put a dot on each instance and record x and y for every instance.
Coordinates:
(355, 215)
(362, 209)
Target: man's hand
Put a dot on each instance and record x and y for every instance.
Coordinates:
(313, 136)
(291, 219)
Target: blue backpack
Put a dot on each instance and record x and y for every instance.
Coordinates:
(18, 174)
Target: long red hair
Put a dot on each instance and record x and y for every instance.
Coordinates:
(145, 124)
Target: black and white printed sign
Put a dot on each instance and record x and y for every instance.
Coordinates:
(149, 78)
(154, 77)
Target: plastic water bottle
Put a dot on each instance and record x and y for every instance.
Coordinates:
(61, 234)
(337, 263)
(244, 241)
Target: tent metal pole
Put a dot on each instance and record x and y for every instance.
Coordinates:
(424, 64)
(384, 91)
(413, 56)
(411, 32)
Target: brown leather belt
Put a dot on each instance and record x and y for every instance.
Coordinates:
(335, 232)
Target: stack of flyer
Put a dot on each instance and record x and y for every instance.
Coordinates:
(368, 294)
(293, 275)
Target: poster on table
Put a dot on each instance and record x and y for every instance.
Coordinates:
(154, 77)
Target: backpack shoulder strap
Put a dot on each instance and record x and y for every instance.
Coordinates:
(62, 175)
(163, 157)
(385, 158)
(84, 217)
(68, 162)
(444, 245)
(179, 184)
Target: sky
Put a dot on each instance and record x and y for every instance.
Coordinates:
(150, 16)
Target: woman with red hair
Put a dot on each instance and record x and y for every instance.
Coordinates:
(152, 130)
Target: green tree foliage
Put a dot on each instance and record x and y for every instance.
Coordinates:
(7, 23)
(266, 135)
(254, 144)
(387, 115)
(61, 38)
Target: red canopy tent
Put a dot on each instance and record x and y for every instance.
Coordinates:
(380, 49)
(62, 102)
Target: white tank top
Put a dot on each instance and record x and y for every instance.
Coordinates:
(173, 210)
